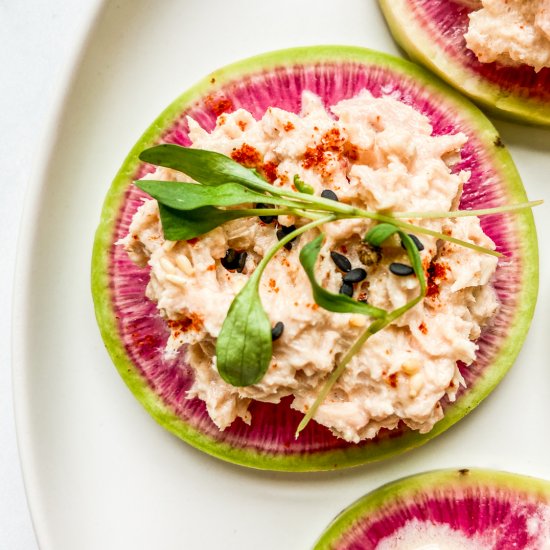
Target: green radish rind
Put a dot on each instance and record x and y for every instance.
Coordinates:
(354, 454)
(406, 489)
(419, 44)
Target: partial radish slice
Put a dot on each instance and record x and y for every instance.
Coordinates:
(447, 509)
(135, 335)
(432, 33)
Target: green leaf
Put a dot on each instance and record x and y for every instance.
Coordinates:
(182, 226)
(188, 196)
(376, 236)
(383, 231)
(338, 303)
(244, 347)
(379, 233)
(206, 167)
(415, 259)
(302, 186)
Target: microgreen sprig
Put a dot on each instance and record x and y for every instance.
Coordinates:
(337, 303)
(212, 170)
(376, 237)
(243, 347)
(226, 191)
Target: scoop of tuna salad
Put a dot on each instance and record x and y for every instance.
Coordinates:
(378, 154)
(511, 32)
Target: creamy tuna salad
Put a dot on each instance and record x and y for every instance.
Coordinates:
(374, 153)
(511, 32)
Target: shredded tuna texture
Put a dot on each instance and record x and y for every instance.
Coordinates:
(511, 32)
(376, 153)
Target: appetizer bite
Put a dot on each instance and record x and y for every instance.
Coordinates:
(452, 509)
(293, 249)
(495, 51)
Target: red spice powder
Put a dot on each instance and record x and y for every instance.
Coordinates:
(423, 328)
(352, 152)
(269, 170)
(247, 156)
(437, 272)
(392, 380)
(288, 126)
(242, 125)
(333, 140)
(192, 322)
(219, 105)
(250, 157)
(315, 157)
(193, 241)
(148, 340)
(211, 267)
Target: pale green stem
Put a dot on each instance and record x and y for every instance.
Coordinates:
(358, 344)
(463, 213)
(281, 212)
(422, 230)
(347, 211)
(373, 328)
(274, 249)
(411, 228)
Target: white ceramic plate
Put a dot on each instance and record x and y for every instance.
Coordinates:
(100, 473)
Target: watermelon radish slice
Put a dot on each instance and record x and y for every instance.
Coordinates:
(432, 33)
(135, 335)
(451, 509)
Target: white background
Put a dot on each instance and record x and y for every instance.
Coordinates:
(37, 40)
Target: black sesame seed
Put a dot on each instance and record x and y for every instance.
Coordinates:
(416, 241)
(346, 289)
(234, 260)
(283, 231)
(241, 261)
(401, 269)
(266, 219)
(342, 263)
(356, 275)
(328, 194)
(228, 261)
(288, 229)
(277, 331)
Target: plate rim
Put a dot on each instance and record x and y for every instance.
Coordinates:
(27, 235)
